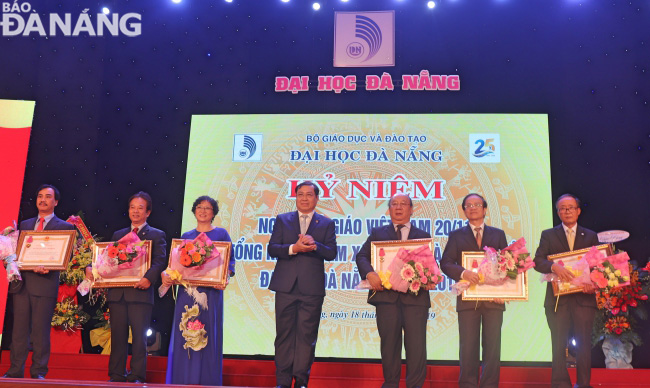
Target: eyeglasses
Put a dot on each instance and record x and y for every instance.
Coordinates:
(473, 205)
(568, 209)
(206, 208)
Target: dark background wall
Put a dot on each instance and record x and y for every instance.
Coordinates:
(113, 113)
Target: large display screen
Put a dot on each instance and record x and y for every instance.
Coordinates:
(251, 163)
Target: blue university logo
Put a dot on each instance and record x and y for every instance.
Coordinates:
(247, 148)
(364, 39)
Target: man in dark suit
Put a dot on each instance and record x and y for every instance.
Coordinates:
(133, 306)
(573, 310)
(471, 315)
(397, 311)
(301, 241)
(34, 302)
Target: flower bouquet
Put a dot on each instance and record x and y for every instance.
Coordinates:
(68, 315)
(8, 241)
(499, 267)
(119, 256)
(411, 271)
(612, 272)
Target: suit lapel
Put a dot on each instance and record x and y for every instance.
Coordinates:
(313, 223)
(561, 235)
(468, 234)
(390, 231)
(52, 224)
(579, 241)
(294, 221)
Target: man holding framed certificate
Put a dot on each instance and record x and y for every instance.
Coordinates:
(132, 306)
(577, 309)
(34, 301)
(474, 314)
(397, 311)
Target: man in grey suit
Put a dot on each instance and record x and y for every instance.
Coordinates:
(473, 315)
(397, 311)
(573, 310)
(301, 241)
(34, 302)
(132, 306)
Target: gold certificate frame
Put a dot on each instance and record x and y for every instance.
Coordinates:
(390, 248)
(214, 277)
(119, 280)
(570, 259)
(50, 249)
(516, 290)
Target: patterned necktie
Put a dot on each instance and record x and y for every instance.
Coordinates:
(41, 222)
(571, 238)
(135, 230)
(479, 238)
(399, 231)
(303, 223)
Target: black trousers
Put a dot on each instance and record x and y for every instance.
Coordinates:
(137, 315)
(476, 326)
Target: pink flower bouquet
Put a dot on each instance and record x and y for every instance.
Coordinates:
(612, 272)
(414, 270)
(120, 256)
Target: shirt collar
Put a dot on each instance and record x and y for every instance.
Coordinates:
(139, 227)
(574, 229)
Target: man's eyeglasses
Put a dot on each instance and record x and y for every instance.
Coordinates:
(473, 205)
(568, 209)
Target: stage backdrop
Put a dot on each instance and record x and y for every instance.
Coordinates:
(250, 163)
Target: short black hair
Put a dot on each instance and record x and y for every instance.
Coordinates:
(474, 195)
(308, 183)
(568, 195)
(213, 202)
(57, 195)
(396, 194)
(143, 195)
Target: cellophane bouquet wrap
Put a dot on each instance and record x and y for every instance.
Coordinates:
(498, 267)
(121, 257)
(413, 270)
(8, 242)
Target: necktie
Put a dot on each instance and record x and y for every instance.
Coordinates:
(399, 231)
(479, 238)
(571, 238)
(41, 222)
(135, 230)
(303, 224)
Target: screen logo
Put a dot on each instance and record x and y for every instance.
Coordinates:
(484, 148)
(364, 39)
(247, 148)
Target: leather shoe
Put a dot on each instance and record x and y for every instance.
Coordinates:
(38, 377)
(138, 381)
(282, 386)
(8, 376)
(300, 384)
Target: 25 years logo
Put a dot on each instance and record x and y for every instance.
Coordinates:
(484, 148)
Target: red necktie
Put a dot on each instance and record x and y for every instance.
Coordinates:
(135, 230)
(41, 221)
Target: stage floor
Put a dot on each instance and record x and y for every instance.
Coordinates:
(90, 370)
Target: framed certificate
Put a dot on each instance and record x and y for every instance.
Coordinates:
(213, 273)
(382, 253)
(516, 289)
(48, 248)
(125, 275)
(570, 259)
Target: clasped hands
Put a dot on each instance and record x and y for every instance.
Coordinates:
(142, 284)
(473, 278)
(305, 243)
(566, 276)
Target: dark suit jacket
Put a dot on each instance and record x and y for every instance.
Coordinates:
(387, 233)
(554, 241)
(48, 284)
(462, 240)
(158, 264)
(308, 269)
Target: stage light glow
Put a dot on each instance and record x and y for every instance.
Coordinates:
(344, 1)
(176, 1)
(228, 1)
(316, 6)
(431, 4)
(285, 1)
(149, 331)
(573, 341)
(106, 11)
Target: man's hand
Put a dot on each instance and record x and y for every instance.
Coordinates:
(498, 301)
(589, 289)
(305, 243)
(562, 273)
(143, 284)
(40, 269)
(375, 281)
(166, 279)
(471, 277)
(89, 274)
(430, 286)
